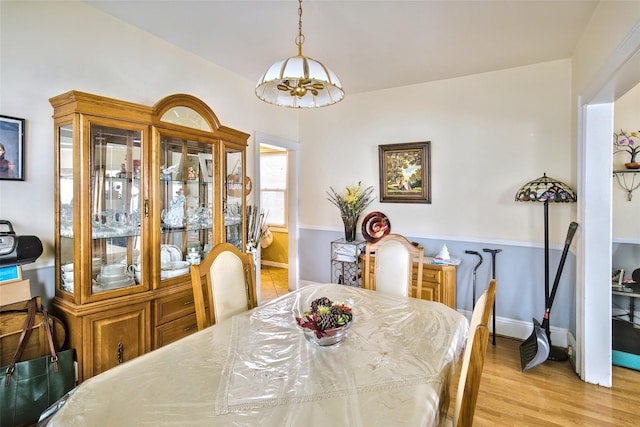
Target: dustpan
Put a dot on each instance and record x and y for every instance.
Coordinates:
(537, 348)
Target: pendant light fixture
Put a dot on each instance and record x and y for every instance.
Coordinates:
(299, 81)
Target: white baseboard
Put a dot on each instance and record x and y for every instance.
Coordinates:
(522, 330)
(274, 264)
(571, 347)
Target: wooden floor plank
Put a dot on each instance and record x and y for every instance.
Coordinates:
(551, 394)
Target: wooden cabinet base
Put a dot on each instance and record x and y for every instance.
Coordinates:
(114, 331)
(438, 282)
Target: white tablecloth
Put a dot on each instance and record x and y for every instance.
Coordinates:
(257, 369)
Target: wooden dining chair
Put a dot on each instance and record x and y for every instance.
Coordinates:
(393, 257)
(225, 281)
(473, 361)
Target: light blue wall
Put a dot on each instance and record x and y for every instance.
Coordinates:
(519, 271)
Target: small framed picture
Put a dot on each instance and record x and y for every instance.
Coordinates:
(11, 148)
(206, 167)
(192, 169)
(405, 172)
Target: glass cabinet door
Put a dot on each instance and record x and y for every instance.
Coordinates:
(234, 198)
(186, 204)
(116, 206)
(65, 207)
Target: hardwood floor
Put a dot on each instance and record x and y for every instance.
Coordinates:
(273, 282)
(549, 395)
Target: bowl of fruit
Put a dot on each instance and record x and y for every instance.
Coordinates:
(326, 322)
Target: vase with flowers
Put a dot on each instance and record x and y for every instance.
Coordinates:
(351, 204)
(630, 143)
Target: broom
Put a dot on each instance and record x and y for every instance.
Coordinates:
(537, 348)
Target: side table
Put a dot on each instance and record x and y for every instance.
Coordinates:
(345, 262)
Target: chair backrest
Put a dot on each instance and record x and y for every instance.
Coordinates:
(473, 359)
(393, 257)
(224, 283)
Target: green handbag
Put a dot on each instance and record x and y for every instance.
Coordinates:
(29, 387)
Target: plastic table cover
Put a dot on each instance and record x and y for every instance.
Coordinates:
(257, 369)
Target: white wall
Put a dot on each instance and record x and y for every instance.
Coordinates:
(626, 214)
(48, 48)
(490, 133)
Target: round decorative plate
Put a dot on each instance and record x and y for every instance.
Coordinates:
(375, 226)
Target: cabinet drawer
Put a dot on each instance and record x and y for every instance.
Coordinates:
(428, 274)
(172, 307)
(173, 331)
(430, 291)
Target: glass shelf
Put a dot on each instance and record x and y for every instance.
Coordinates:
(629, 180)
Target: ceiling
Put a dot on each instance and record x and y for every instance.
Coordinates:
(370, 45)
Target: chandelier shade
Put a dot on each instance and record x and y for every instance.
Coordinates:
(545, 189)
(299, 81)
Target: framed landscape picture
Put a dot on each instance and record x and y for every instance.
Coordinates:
(405, 172)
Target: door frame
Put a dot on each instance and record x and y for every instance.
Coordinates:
(293, 220)
(617, 76)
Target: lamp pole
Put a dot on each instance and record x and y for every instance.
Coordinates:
(546, 262)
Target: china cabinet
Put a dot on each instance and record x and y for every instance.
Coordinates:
(140, 192)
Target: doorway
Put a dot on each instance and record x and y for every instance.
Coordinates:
(293, 161)
(594, 264)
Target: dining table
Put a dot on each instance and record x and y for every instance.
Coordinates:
(393, 368)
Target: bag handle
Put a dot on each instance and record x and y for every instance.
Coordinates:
(24, 337)
(47, 327)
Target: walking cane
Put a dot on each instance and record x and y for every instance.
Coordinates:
(474, 276)
(493, 253)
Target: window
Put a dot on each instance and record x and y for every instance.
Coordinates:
(273, 186)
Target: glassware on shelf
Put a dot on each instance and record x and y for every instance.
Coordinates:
(173, 217)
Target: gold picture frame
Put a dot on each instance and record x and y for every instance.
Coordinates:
(405, 172)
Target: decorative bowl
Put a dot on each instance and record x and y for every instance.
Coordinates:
(116, 271)
(326, 322)
(174, 269)
(329, 337)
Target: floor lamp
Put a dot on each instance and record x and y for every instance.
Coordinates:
(546, 190)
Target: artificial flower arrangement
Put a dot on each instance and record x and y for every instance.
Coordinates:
(353, 202)
(325, 315)
(627, 141)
